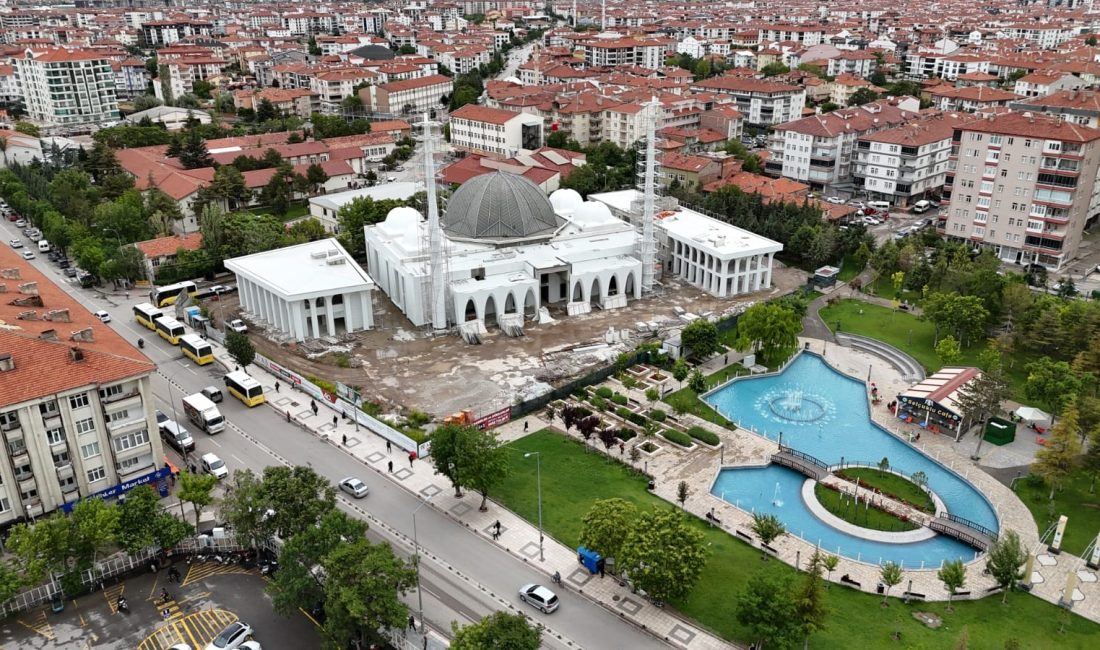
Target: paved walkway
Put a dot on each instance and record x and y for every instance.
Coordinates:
(517, 537)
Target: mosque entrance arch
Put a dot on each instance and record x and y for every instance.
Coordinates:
(630, 288)
(510, 304)
(596, 296)
(613, 286)
(578, 293)
(490, 314)
(530, 305)
(471, 310)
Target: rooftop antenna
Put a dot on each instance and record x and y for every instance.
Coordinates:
(435, 232)
(649, 253)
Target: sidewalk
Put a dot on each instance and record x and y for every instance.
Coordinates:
(517, 537)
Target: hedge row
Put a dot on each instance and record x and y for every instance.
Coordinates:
(674, 436)
(705, 436)
(604, 392)
(657, 415)
(620, 399)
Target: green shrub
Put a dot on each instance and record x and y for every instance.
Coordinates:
(620, 399)
(321, 383)
(604, 392)
(598, 402)
(622, 413)
(636, 418)
(417, 418)
(626, 433)
(676, 437)
(582, 412)
(657, 415)
(703, 435)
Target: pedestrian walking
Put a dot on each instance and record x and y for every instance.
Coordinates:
(622, 448)
(164, 613)
(276, 387)
(288, 415)
(526, 424)
(345, 439)
(391, 467)
(389, 447)
(313, 406)
(412, 457)
(334, 421)
(412, 621)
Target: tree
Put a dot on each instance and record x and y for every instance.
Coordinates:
(682, 493)
(363, 588)
(245, 507)
(680, 370)
(137, 519)
(890, 575)
(28, 128)
(663, 554)
(809, 599)
(311, 46)
(197, 489)
(1090, 41)
(497, 630)
(363, 211)
(201, 88)
(775, 68)
(1004, 560)
(953, 576)
(276, 195)
(297, 584)
(192, 151)
(240, 348)
(830, 563)
(606, 525)
(445, 453)
(11, 580)
(1051, 383)
(298, 497)
(701, 337)
(948, 351)
(470, 457)
(767, 527)
(316, 176)
(862, 96)
(697, 382)
(768, 609)
(770, 328)
(1055, 460)
(266, 111)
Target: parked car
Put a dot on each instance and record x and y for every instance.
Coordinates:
(16, 243)
(871, 221)
(232, 637)
(539, 597)
(103, 316)
(28, 255)
(236, 325)
(835, 199)
(20, 223)
(70, 271)
(177, 436)
(212, 393)
(354, 487)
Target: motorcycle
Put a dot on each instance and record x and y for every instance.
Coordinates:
(268, 568)
(141, 344)
(122, 605)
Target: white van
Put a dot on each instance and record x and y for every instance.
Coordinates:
(922, 206)
(43, 246)
(881, 206)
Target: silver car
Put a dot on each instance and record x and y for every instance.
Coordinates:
(232, 637)
(354, 487)
(539, 597)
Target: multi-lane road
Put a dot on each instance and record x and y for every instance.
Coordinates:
(464, 576)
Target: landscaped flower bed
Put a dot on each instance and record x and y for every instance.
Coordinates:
(705, 436)
(677, 437)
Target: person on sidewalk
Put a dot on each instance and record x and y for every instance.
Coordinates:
(313, 406)
(345, 438)
(391, 467)
(526, 425)
(389, 447)
(412, 457)
(335, 420)
(276, 387)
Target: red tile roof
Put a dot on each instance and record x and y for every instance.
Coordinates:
(167, 246)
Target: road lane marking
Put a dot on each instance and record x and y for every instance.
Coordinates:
(215, 443)
(239, 461)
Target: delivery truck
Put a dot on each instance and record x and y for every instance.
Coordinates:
(203, 413)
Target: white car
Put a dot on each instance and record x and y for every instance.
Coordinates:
(102, 316)
(871, 221)
(28, 255)
(539, 597)
(835, 199)
(211, 464)
(16, 243)
(250, 645)
(232, 637)
(236, 325)
(354, 487)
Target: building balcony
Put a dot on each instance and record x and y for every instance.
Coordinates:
(33, 507)
(64, 470)
(25, 481)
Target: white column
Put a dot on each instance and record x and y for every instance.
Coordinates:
(768, 275)
(757, 274)
(367, 307)
(315, 327)
(350, 301)
(330, 316)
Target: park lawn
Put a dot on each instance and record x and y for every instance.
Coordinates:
(572, 480)
(848, 270)
(912, 335)
(686, 400)
(297, 210)
(858, 513)
(891, 484)
(1074, 500)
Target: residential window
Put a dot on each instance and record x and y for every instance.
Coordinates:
(107, 393)
(131, 440)
(55, 435)
(78, 401)
(119, 415)
(90, 450)
(5, 505)
(85, 426)
(96, 474)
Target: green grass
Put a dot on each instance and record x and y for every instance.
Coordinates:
(686, 400)
(1074, 501)
(911, 335)
(848, 270)
(891, 484)
(297, 210)
(858, 513)
(573, 480)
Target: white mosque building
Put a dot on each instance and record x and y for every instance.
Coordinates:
(507, 251)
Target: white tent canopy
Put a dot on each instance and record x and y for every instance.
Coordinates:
(1032, 414)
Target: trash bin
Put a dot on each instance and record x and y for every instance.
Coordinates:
(652, 485)
(880, 588)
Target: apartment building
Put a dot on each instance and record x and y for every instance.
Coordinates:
(332, 86)
(76, 401)
(1077, 106)
(408, 95)
(819, 150)
(802, 34)
(288, 101)
(178, 75)
(611, 52)
(624, 124)
(165, 32)
(494, 132)
(906, 163)
(67, 88)
(759, 101)
(1023, 185)
(1041, 84)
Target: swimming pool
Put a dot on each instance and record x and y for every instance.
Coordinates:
(777, 490)
(824, 413)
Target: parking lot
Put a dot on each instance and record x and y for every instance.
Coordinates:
(209, 597)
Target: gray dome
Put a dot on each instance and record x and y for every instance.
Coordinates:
(499, 208)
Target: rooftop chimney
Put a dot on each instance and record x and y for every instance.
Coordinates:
(76, 354)
(7, 363)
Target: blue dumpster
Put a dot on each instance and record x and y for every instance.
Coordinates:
(590, 559)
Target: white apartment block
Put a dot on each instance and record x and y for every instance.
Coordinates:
(1077, 106)
(494, 132)
(466, 60)
(408, 95)
(805, 35)
(759, 101)
(332, 86)
(1024, 186)
(615, 51)
(624, 125)
(63, 88)
(820, 149)
(906, 163)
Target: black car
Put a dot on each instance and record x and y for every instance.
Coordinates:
(70, 271)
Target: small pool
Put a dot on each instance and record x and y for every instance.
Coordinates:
(777, 490)
(824, 413)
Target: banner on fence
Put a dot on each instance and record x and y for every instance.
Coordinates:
(123, 488)
(494, 419)
(348, 393)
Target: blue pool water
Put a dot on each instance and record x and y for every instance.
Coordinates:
(824, 413)
(754, 489)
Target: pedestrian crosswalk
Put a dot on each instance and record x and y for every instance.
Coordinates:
(196, 629)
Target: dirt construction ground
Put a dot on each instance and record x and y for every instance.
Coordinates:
(442, 375)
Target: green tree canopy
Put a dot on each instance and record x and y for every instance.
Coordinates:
(606, 526)
(497, 630)
(701, 337)
(768, 610)
(198, 490)
(770, 328)
(240, 348)
(1005, 560)
(663, 554)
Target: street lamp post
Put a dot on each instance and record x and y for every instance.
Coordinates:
(538, 487)
(416, 555)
